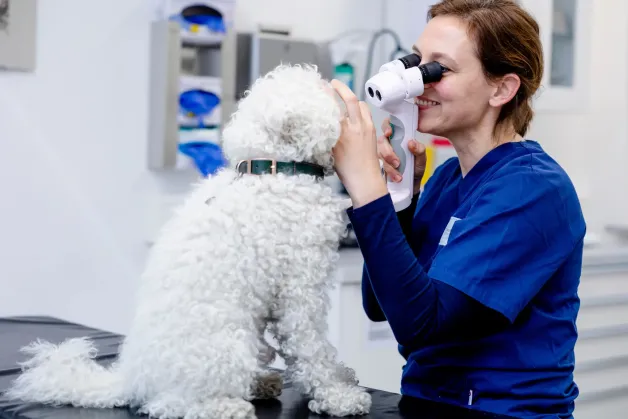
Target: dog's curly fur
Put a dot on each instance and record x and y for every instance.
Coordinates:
(243, 255)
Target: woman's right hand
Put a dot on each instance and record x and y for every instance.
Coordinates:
(391, 161)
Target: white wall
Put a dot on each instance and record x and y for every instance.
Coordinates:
(79, 205)
(76, 195)
(592, 144)
(310, 19)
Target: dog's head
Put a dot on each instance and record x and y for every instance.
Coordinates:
(289, 114)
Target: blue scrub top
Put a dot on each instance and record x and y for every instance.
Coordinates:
(509, 235)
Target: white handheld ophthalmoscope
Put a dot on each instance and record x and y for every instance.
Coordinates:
(393, 89)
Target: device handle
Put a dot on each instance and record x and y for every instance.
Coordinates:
(404, 124)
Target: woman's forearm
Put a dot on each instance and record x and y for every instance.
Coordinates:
(369, 303)
(417, 307)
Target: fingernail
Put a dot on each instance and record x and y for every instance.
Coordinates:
(396, 163)
(397, 178)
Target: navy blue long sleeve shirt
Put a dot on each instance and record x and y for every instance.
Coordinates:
(418, 308)
(478, 281)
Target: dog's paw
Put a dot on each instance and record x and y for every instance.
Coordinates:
(268, 385)
(341, 401)
(347, 375)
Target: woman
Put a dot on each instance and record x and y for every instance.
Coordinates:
(478, 279)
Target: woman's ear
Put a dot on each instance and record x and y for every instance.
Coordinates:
(505, 89)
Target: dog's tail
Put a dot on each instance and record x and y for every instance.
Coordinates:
(67, 374)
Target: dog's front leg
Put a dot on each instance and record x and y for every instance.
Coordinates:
(311, 359)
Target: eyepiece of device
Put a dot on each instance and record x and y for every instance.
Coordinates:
(411, 60)
(432, 72)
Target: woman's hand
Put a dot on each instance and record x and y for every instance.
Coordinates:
(391, 160)
(355, 153)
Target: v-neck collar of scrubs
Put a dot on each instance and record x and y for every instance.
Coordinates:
(486, 163)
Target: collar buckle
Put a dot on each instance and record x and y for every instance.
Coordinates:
(249, 164)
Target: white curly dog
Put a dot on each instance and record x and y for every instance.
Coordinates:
(245, 253)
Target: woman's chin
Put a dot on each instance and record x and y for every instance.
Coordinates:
(424, 127)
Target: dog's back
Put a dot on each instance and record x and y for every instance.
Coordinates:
(250, 230)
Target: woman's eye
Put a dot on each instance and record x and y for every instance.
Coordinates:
(445, 68)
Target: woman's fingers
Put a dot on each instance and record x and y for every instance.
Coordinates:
(365, 111)
(417, 148)
(420, 156)
(386, 128)
(367, 120)
(386, 153)
(349, 98)
(392, 173)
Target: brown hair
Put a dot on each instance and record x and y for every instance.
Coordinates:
(507, 40)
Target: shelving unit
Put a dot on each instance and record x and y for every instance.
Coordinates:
(186, 58)
(602, 348)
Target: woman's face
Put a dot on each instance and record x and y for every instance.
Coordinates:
(460, 100)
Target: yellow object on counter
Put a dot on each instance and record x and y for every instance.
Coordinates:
(438, 151)
(429, 164)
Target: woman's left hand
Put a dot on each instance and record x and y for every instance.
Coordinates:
(355, 153)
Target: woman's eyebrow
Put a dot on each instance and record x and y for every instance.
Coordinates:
(435, 56)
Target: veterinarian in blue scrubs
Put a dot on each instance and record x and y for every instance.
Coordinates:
(478, 279)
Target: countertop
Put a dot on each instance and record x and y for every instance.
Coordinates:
(17, 332)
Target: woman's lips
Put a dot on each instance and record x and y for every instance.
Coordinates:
(425, 103)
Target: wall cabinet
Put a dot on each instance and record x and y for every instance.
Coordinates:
(565, 28)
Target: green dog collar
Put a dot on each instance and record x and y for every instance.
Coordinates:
(268, 166)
